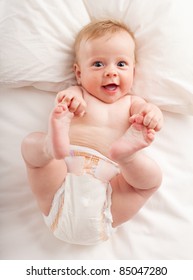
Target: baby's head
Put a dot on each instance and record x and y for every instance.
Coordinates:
(105, 59)
(100, 28)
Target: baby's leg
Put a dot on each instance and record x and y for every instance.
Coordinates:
(139, 170)
(44, 157)
(140, 176)
(57, 139)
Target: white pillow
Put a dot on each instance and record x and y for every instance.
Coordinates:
(37, 39)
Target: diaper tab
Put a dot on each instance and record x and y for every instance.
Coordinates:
(80, 162)
(90, 162)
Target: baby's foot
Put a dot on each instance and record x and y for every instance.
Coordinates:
(57, 140)
(136, 138)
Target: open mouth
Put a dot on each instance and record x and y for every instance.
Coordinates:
(110, 87)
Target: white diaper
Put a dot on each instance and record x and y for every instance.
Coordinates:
(80, 212)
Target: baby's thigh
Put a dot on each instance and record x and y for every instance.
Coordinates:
(45, 181)
(126, 201)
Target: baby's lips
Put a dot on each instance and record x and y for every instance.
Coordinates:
(111, 87)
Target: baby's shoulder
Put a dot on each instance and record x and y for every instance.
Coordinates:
(122, 106)
(125, 101)
(127, 98)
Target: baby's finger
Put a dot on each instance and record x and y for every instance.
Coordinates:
(159, 125)
(73, 105)
(60, 95)
(148, 118)
(80, 113)
(58, 98)
(77, 106)
(138, 118)
(132, 119)
(81, 109)
(153, 123)
(67, 100)
(64, 97)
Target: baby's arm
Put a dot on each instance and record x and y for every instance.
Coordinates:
(73, 97)
(150, 115)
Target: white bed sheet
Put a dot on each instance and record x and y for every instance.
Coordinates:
(163, 229)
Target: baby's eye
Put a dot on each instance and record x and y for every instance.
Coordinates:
(121, 63)
(98, 64)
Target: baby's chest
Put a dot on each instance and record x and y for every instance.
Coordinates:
(109, 115)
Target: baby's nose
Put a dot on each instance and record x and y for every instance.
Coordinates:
(111, 73)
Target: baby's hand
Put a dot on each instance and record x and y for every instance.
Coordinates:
(150, 116)
(73, 98)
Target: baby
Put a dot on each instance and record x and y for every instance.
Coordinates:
(88, 172)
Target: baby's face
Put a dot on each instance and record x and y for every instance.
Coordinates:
(105, 66)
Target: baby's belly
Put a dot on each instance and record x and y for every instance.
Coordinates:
(93, 137)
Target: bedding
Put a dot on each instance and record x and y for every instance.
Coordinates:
(36, 62)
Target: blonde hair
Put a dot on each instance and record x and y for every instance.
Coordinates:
(99, 28)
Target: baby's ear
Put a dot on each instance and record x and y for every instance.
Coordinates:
(77, 72)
